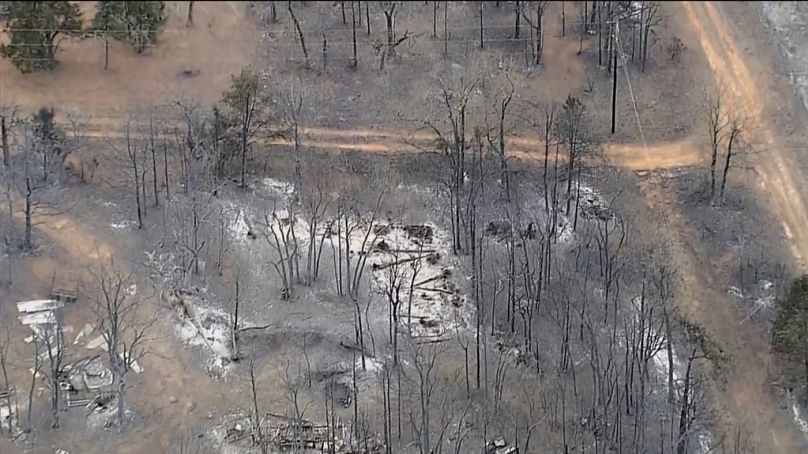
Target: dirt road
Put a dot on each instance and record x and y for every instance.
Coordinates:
(776, 168)
(748, 393)
(634, 157)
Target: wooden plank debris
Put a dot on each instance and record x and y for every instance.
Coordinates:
(38, 318)
(38, 305)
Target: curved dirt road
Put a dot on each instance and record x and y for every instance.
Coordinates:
(748, 395)
(777, 169)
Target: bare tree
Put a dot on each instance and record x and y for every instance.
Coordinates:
(190, 235)
(649, 18)
(124, 324)
(7, 389)
(189, 22)
(452, 145)
(299, 35)
(572, 124)
(424, 359)
(388, 49)
(35, 372)
(536, 26)
(502, 113)
(734, 135)
(316, 202)
(294, 382)
(257, 431)
(27, 243)
(52, 340)
(716, 123)
(4, 138)
(135, 168)
(279, 232)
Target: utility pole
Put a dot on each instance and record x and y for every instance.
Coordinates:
(614, 74)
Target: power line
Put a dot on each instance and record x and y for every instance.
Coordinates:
(316, 32)
(628, 80)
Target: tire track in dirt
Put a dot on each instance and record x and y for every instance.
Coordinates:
(748, 392)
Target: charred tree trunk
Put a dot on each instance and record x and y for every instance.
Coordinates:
(353, 33)
(4, 138)
(482, 40)
(154, 163)
(299, 35)
(165, 169)
(190, 20)
(435, 19)
(132, 154)
(733, 135)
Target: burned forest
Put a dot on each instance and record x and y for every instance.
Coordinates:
(403, 227)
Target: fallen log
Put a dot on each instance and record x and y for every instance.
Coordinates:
(438, 290)
(383, 266)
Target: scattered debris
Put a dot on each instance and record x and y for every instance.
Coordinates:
(500, 446)
(188, 73)
(38, 305)
(592, 205)
(38, 318)
(419, 231)
(99, 341)
(339, 392)
(64, 287)
(86, 331)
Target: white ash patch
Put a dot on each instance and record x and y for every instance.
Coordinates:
(592, 205)
(766, 294)
(564, 233)
(438, 307)
(705, 442)
(799, 420)
(372, 365)
(662, 365)
(736, 292)
(209, 329)
(238, 227)
(124, 224)
(273, 187)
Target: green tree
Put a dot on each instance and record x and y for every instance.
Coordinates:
(246, 102)
(34, 28)
(134, 22)
(791, 325)
(48, 138)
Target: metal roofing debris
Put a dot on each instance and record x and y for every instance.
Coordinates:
(83, 334)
